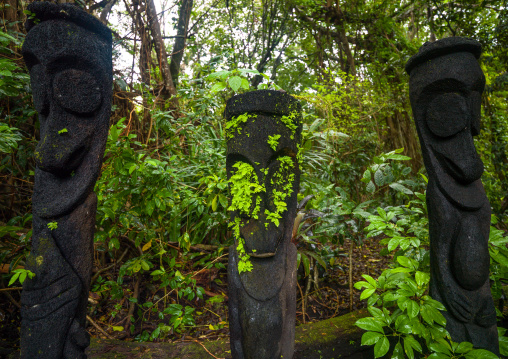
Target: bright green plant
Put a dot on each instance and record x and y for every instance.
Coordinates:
(237, 80)
(398, 300)
(20, 274)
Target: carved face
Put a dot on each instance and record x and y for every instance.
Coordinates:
(70, 72)
(67, 92)
(446, 97)
(263, 174)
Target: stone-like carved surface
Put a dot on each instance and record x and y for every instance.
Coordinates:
(446, 84)
(68, 53)
(263, 130)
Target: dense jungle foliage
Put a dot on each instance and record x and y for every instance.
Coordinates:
(161, 237)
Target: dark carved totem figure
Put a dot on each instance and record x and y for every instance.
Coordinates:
(68, 53)
(263, 136)
(446, 84)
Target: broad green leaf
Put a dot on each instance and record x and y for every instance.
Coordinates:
(370, 324)
(235, 82)
(370, 187)
(379, 178)
(412, 308)
(408, 349)
(371, 280)
(381, 347)
(218, 87)
(481, 354)
(404, 261)
(366, 176)
(370, 338)
(367, 293)
(400, 188)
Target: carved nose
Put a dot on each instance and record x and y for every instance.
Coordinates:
(60, 150)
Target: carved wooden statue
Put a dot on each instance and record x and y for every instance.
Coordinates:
(446, 84)
(68, 53)
(263, 130)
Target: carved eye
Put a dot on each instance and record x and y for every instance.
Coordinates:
(77, 91)
(448, 114)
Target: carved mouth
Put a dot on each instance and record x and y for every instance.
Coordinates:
(465, 175)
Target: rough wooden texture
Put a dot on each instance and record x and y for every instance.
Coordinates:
(329, 339)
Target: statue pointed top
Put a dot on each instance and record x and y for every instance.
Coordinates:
(44, 11)
(445, 46)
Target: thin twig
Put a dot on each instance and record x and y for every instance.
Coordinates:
(8, 289)
(303, 301)
(99, 328)
(207, 350)
(102, 270)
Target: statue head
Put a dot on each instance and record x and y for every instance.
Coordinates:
(263, 140)
(68, 54)
(446, 83)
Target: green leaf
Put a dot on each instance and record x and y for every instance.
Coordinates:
(438, 356)
(381, 347)
(218, 87)
(379, 178)
(412, 308)
(366, 176)
(413, 342)
(306, 264)
(63, 130)
(245, 84)
(370, 338)
(371, 280)
(464, 347)
(404, 261)
(394, 243)
(214, 203)
(398, 353)
(408, 349)
(422, 278)
(52, 225)
(370, 324)
(367, 293)
(481, 354)
(235, 82)
(13, 278)
(400, 188)
(370, 187)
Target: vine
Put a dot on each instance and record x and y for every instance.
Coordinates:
(281, 178)
(289, 121)
(244, 185)
(273, 141)
(234, 124)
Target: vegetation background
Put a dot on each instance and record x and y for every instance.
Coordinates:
(161, 237)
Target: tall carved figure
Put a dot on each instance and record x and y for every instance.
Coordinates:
(68, 53)
(446, 84)
(263, 136)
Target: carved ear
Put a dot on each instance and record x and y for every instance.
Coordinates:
(448, 114)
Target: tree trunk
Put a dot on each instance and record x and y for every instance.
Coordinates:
(181, 37)
(162, 56)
